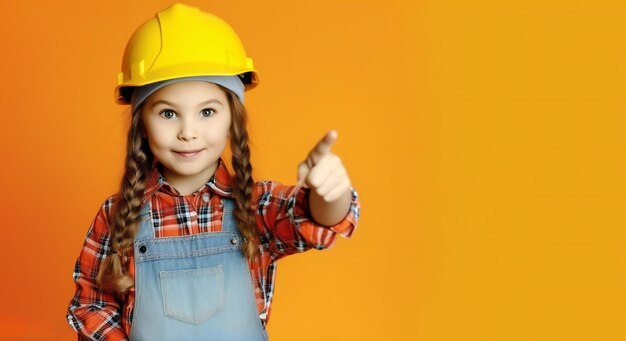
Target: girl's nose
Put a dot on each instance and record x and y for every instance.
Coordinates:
(187, 131)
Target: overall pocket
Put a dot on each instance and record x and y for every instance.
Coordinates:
(193, 296)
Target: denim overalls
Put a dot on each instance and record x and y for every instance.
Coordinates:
(195, 287)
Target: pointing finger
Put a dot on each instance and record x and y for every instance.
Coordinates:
(323, 146)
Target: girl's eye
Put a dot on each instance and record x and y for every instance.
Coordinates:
(168, 114)
(208, 112)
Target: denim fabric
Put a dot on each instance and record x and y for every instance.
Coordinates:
(195, 287)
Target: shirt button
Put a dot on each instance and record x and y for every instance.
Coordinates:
(234, 241)
(143, 249)
(205, 197)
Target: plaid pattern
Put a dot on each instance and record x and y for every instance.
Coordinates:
(284, 227)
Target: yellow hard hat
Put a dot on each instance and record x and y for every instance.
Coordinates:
(182, 41)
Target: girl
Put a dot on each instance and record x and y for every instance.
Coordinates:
(185, 251)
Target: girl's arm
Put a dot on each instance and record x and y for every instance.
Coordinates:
(92, 313)
(292, 219)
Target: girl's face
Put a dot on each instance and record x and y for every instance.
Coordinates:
(187, 125)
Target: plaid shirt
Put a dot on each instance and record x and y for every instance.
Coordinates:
(284, 226)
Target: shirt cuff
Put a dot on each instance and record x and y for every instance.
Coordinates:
(317, 235)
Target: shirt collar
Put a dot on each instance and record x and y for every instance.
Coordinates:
(220, 183)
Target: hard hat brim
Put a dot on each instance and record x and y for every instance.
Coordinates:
(124, 91)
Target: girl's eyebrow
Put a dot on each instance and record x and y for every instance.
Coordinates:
(162, 101)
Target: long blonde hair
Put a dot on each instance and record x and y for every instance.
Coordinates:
(112, 274)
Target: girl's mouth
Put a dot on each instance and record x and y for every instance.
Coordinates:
(187, 153)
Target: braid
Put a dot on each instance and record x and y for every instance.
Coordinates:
(112, 275)
(242, 186)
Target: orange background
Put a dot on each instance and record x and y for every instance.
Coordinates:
(485, 138)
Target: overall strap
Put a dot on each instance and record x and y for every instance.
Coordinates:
(229, 223)
(145, 230)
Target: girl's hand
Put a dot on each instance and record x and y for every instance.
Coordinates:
(323, 171)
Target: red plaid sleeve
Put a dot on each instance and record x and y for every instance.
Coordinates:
(285, 222)
(94, 314)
